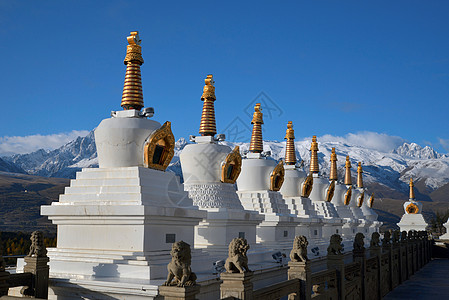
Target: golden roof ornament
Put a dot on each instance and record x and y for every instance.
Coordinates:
(348, 180)
(208, 126)
(290, 155)
(359, 175)
(314, 167)
(256, 145)
(132, 97)
(412, 190)
(333, 171)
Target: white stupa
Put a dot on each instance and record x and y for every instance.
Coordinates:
(412, 218)
(210, 171)
(321, 196)
(258, 188)
(116, 223)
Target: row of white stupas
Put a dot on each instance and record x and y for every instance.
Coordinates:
(116, 223)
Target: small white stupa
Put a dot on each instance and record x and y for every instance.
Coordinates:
(412, 218)
(321, 196)
(365, 204)
(116, 223)
(342, 196)
(258, 189)
(210, 171)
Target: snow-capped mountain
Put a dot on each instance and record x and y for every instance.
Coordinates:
(389, 169)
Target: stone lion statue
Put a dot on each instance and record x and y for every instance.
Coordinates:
(375, 239)
(179, 267)
(404, 236)
(37, 248)
(396, 236)
(335, 245)
(237, 261)
(386, 239)
(359, 243)
(299, 251)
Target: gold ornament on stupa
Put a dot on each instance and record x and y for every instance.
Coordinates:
(132, 97)
(348, 180)
(256, 145)
(412, 190)
(333, 171)
(290, 155)
(359, 175)
(314, 167)
(208, 126)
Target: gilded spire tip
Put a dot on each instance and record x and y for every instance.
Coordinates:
(333, 170)
(132, 97)
(290, 155)
(208, 126)
(412, 190)
(348, 179)
(359, 175)
(314, 166)
(256, 145)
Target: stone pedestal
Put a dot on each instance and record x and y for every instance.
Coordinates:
(237, 285)
(39, 268)
(4, 286)
(336, 262)
(179, 293)
(412, 222)
(301, 270)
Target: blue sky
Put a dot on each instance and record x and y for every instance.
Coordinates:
(332, 67)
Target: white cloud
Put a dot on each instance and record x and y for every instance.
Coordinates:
(444, 143)
(368, 139)
(10, 145)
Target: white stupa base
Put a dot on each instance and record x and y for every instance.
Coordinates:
(264, 202)
(412, 222)
(446, 235)
(120, 223)
(357, 212)
(277, 232)
(301, 207)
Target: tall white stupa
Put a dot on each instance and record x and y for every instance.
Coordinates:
(412, 218)
(258, 189)
(210, 171)
(366, 204)
(116, 223)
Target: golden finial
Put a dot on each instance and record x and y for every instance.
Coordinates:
(333, 171)
(207, 125)
(314, 167)
(348, 180)
(290, 155)
(359, 175)
(412, 190)
(132, 97)
(256, 145)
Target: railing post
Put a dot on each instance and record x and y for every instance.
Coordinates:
(386, 248)
(376, 250)
(36, 263)
(179, 293)
(403, 257)
(237, 280)
(301, 270)
(299, 267)
(4, 276)
(335, 261)
(358, 255)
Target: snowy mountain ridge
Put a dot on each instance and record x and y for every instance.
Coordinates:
(392, 169)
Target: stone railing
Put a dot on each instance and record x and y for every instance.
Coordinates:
(36, 271)
(371, 274)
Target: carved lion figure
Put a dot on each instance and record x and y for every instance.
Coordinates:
(237, 261)
(335, 245)
(375, 239)
(359, 244)
(404, 236)
(179, 267)
(299, 251)
(37, 248)
(386, 239)
(396, 236)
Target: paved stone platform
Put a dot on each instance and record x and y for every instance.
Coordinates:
(431, 282)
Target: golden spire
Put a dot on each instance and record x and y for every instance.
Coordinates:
(208, 126)
(348, 180)
(132, 97)
(314, 167)
(290, 155)
(412, 191)
(333, 171)
(256, 145)
(359, 175)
